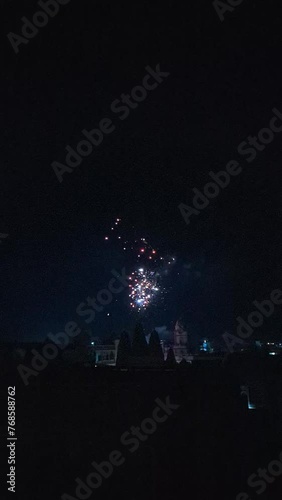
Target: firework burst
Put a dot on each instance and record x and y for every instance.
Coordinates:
(143, 288)
(148, 267)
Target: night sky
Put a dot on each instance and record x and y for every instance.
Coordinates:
(225, 79)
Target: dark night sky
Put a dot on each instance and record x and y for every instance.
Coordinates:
(225, 78)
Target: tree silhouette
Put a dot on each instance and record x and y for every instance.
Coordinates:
(170, 360)
(155, 349)
(78, 349)
(139, 344)
(124, 350)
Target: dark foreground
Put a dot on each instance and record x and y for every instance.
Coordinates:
(206, 448)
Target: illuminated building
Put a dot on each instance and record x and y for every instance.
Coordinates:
(104, 354)
(205, 346)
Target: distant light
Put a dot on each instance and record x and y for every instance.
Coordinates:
(272, 353)
(92, 343)
(106, 237)
(251, 406)
(141, 270)
(108, 314)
